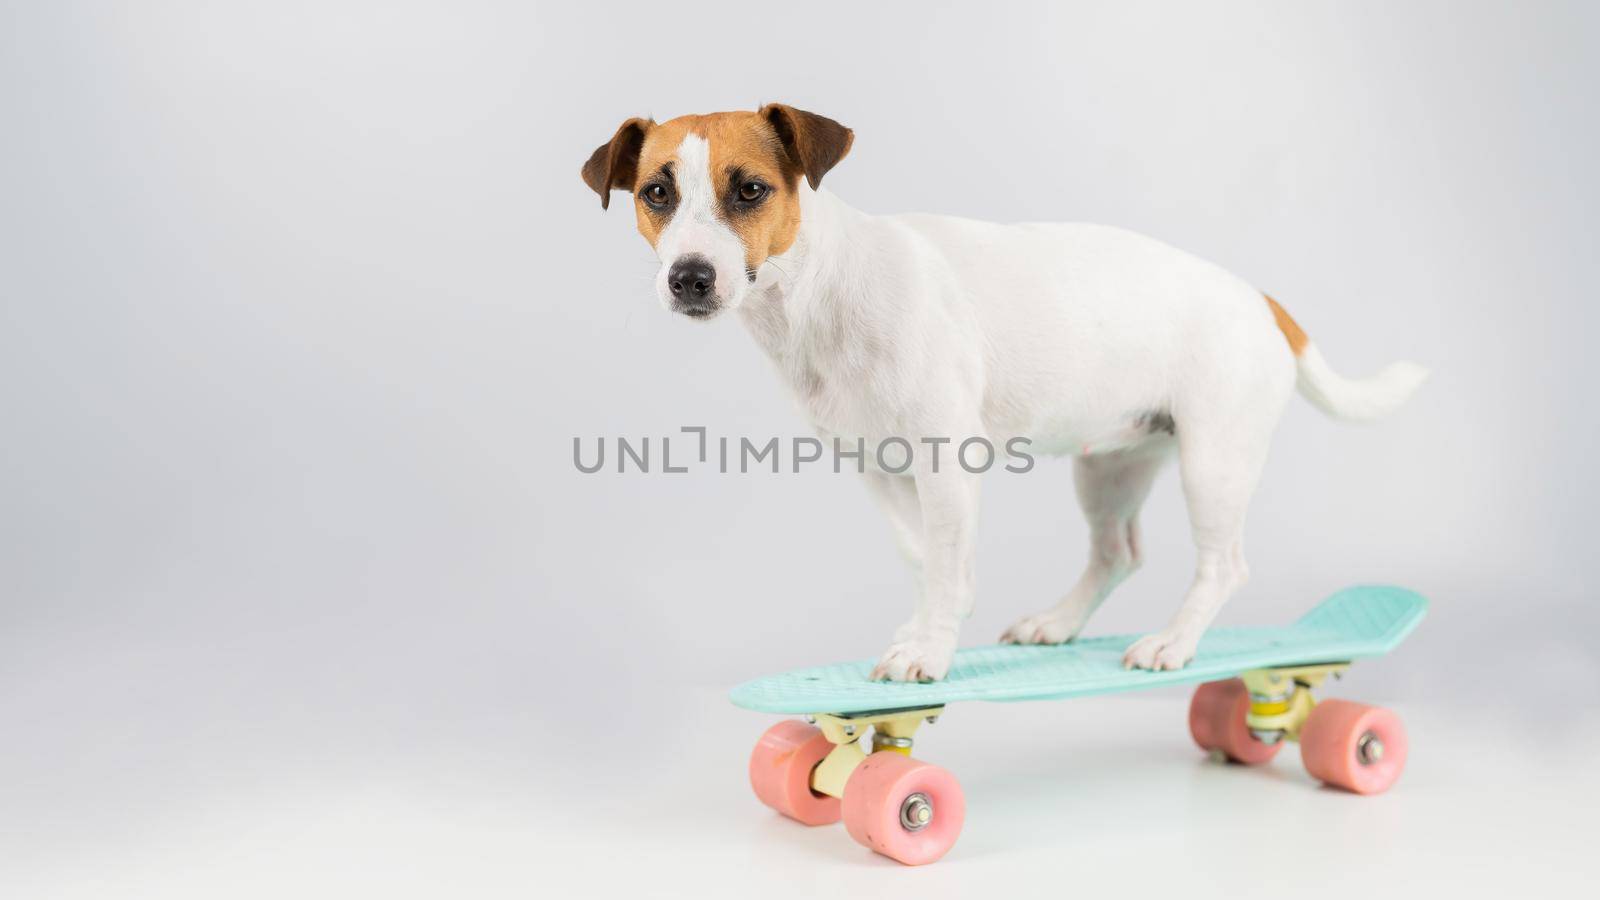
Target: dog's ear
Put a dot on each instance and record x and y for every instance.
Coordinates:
(815, 143)
(615, 164)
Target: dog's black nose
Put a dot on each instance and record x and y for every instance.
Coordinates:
(692, 279)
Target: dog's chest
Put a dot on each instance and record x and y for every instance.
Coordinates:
(839, 375)
(829, 401)
(839, 386)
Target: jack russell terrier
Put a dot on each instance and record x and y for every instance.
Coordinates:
(1085, 339)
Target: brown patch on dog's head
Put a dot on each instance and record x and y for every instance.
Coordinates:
(614, 164)
(746, 176)
(813, 143)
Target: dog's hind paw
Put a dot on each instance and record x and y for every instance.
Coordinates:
(920, 658)
(1050, 627)
(1162, 650)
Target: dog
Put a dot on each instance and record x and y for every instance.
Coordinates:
(1088, 340)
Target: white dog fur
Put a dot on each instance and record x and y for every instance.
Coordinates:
(1087, 340)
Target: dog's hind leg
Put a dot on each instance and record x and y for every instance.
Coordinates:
(1111, 489)
(1220, 458)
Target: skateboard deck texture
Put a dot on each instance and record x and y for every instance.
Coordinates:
(1357, 622)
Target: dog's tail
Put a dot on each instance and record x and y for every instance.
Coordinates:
(1354, 399)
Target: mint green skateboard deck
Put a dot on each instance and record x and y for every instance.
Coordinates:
(1355, 623)
(1257, 696)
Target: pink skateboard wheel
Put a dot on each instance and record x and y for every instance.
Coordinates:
(780, 772)
(1354, 746)
(906, 809)
(1216, 720)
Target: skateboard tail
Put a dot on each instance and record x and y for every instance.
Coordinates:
(1383, 615)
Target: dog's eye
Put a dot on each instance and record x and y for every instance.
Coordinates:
(655, 195)
(751, 191)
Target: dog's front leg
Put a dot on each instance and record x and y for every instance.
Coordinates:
(897, 497)
(924, 646)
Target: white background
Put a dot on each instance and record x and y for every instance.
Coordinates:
(302, 304)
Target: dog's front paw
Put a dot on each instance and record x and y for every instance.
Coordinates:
(1051, 627)
(1162, 650)
(922, 657)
